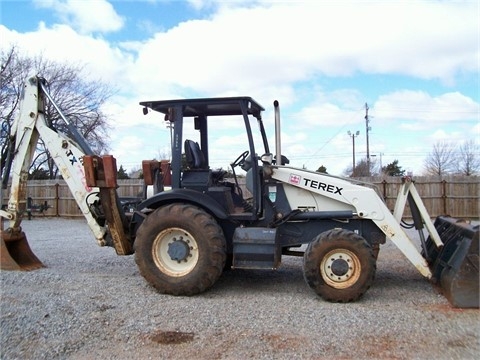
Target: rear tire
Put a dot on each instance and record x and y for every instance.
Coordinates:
(339, 265)
(180, 249)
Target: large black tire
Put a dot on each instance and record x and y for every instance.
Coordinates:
(180, 249)
(339, 265)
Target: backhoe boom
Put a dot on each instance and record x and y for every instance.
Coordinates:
(68, 154)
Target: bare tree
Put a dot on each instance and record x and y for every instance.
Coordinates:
(9, 97)
(81, 101)
(163, 154)
(362, 169)
(441, 160)
(468, 162)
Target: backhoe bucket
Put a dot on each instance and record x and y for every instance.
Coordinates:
(16, 253)
(455, 265)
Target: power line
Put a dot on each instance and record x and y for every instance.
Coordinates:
(329, 140)
(418, 110)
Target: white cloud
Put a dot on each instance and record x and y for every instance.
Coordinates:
(61, 43)
(266, 49)
(319, 115)
(262, 47)
(87, 16)
(128, 147)
(422, 107)
(475, 133)
(255, 47)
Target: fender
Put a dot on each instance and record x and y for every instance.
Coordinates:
(187, 195)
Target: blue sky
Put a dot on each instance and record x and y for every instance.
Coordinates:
(416, 64)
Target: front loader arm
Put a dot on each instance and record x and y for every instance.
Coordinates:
(365, 201)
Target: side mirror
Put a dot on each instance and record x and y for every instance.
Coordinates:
(283, 160)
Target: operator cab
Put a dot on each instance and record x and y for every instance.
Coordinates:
(196, 165)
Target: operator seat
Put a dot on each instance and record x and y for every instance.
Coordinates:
(194, 155)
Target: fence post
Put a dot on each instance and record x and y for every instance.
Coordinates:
(384, 183)
(444, 195)
(57, 199)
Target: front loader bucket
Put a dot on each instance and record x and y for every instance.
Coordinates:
(455, 265)
(16, 253)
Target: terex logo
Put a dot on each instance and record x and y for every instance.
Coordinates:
(322, 186)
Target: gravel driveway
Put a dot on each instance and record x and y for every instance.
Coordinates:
(89, 303)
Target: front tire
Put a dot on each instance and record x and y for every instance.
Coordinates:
(180, 249)
(339, 265)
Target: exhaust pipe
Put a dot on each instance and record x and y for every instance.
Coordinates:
(278, 145)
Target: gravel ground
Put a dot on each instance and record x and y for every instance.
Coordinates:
(89, 303)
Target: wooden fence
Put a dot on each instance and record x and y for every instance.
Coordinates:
(60, 200)
(455, 196)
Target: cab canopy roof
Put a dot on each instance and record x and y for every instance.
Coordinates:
(208, 106)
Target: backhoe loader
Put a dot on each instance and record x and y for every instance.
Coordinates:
(197, 221)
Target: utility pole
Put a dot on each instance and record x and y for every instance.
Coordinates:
(353, 136)
(368, 128)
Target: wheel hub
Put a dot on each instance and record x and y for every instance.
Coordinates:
(179, 250)
(340, 268)
(175, 252)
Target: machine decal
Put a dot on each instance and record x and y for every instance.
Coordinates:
(294, 179)
(71, 156)
(323, 186)
(387, 230)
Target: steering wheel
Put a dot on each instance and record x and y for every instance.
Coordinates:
(240, 160)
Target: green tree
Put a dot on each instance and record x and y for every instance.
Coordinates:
(393, 169)
(39, 174)
(122, 174)
(322, 169)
